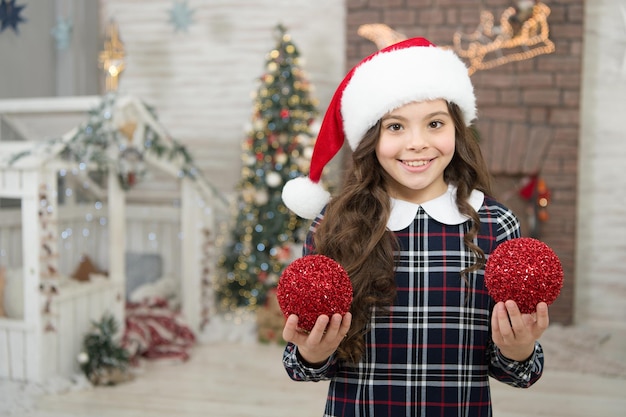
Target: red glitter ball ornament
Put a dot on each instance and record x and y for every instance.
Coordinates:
(526, 271)
(311, 286)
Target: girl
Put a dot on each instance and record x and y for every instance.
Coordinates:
(412, 226)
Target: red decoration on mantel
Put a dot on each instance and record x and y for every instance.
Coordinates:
(311, 286)
(535, 190)
(527, 190)
(526, 271)
(543, 199)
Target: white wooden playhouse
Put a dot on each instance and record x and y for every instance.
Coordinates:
(46, 226)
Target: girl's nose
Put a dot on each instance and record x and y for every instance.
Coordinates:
(415, 140)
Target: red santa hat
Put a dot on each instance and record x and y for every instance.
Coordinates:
(409, 71)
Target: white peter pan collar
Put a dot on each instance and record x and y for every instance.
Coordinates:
(443, 209)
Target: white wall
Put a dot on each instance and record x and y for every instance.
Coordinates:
(601, 240)
(200, 81)
(30, 63)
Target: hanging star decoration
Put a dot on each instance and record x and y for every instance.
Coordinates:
(62, 33)
(181, 16)
(10, 15)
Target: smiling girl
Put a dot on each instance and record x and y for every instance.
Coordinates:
(412, 226)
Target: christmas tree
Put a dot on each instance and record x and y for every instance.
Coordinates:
(277, 149)
(103, 360)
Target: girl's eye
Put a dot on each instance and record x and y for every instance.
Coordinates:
(394, 126)
(435, 124)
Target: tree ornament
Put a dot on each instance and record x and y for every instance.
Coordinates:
(284, 253)
(273, 179)
(526, 271)
(312, 286)
(281, 158)
(261, 197)
(10, 15)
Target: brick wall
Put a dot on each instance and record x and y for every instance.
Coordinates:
(528, 111)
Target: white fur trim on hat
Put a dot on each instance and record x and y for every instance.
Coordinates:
(305, 197)
(397, 77)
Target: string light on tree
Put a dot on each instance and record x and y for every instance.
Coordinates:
(274, 151)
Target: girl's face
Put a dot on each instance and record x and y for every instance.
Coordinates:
(416, 144)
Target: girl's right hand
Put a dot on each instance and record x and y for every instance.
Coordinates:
(315, 347)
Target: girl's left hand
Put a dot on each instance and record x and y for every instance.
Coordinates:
(515, 333)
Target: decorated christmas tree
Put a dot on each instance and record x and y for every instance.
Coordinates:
(276, 149)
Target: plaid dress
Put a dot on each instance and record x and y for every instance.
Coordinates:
(432, 355)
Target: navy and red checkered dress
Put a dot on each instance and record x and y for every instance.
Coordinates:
(433, 354)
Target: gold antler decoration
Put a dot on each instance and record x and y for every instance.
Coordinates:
(381, 34)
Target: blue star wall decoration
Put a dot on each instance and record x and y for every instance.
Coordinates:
(181, 16)
(10, 15)
(62, 33)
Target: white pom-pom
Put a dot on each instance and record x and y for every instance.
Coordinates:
(305, 197)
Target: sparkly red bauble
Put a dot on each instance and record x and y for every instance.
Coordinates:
(312, 286)
(526, 271)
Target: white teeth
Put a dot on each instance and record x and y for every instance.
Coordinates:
(415, 163)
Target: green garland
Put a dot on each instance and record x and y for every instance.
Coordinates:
(99, 146)
(93, 141)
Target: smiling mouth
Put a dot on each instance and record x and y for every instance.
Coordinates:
(416, 163)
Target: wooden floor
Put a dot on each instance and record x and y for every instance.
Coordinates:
(248, 380)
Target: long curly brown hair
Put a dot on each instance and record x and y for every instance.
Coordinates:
(354, 229)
